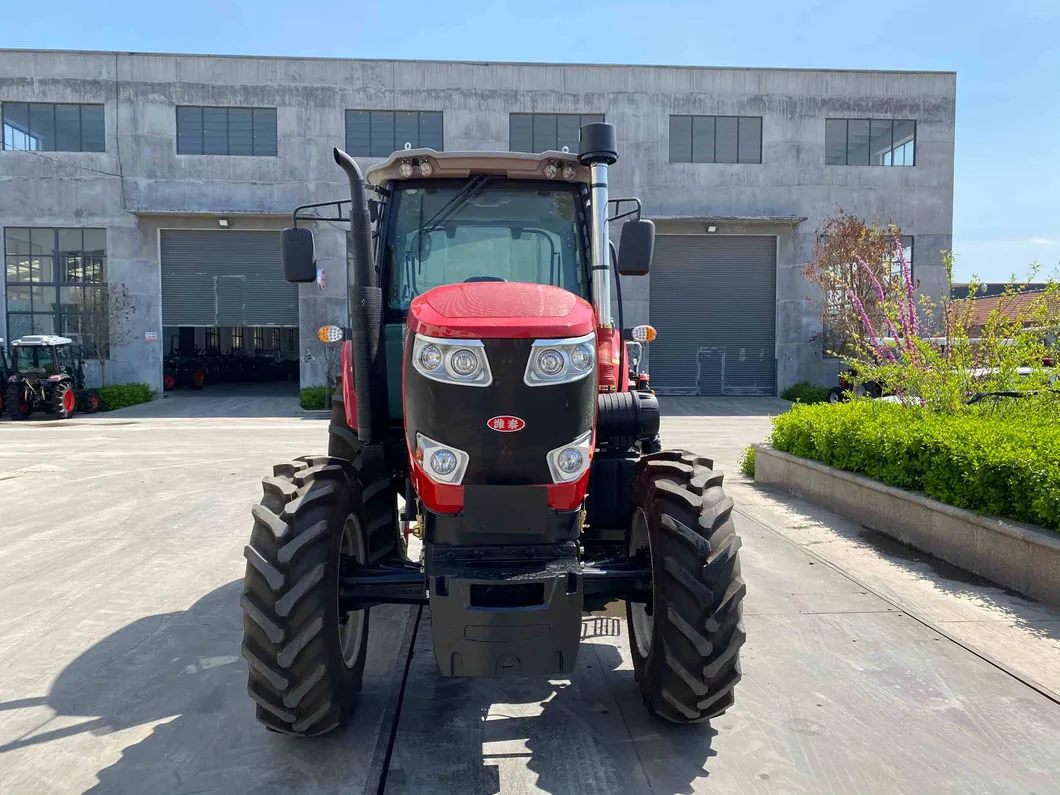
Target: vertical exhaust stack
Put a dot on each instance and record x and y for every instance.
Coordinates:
(599, 150)
(365, 303)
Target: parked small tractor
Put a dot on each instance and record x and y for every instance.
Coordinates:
(47, 374)
(487, 402)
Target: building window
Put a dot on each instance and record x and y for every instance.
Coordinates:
(715, 139)
(544, 132)
(259, 338)
(292, 339)
(379, 133)
(237, 338)
(51, 127)
(869, 142)
(213, 340)
(226, 131)
(50, 275)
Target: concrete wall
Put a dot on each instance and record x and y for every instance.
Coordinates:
(143, 177)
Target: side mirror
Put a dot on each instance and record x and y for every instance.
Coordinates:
(636, 247)
(299, 256)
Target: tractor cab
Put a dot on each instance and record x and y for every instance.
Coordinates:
(47, 374)
(487, 387)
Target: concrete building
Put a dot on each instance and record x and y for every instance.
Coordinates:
(184, 161)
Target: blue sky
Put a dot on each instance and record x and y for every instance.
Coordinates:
(1007, 56)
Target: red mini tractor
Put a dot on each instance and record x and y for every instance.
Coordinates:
(486, 387)
(47, 374)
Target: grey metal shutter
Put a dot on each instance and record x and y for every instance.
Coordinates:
(232, 278)
(713, 302)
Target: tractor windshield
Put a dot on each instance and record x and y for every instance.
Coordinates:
(484, 229)
(33, 360)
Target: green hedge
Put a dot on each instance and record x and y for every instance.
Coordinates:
(312, 398)
(805, 392)
(120, 396)
(1001, 459)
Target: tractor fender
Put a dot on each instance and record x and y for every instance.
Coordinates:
(349, 396)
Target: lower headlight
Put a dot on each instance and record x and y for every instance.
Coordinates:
(570, 461)
(441, 463)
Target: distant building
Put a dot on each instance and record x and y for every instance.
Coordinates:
(992, 289)
(174, 174)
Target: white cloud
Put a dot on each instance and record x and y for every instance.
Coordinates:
(1042, 241)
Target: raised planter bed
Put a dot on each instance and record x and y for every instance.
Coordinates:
(1023, 557)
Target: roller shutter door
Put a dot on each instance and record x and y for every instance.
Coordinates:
(225, 278)
(713, 302)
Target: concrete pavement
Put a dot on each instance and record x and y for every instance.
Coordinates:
(867, 669)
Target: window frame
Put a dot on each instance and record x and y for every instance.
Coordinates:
(91, 270)
(53, 137)
(871, 122)
(255, 138)
(713, 120)
(397, 146)
(535, 116)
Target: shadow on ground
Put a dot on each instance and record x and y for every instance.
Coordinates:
(1033, 616)
(184, 668)
(485, 736)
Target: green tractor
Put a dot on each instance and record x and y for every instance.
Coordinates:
(47, 374)
(487, 400)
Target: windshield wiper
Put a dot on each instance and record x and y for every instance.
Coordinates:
(453, 206)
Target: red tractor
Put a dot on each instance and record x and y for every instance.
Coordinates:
(485, 387)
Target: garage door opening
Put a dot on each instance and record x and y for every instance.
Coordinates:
(208, 357)
(713, 302)
(229, 319)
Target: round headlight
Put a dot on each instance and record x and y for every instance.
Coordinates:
(550, 362)
(568, 173)
(551, 171)
(405, 169)
(569, 460)
(581, 358)
(426, 169)
(464, 362)
(430, 357)
(443, 462)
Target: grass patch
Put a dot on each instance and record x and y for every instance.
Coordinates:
(747, 462)
(805, 392)
(1000, 459)
(120, 396)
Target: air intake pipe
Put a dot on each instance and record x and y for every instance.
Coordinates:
(599, 151)
(365, 305)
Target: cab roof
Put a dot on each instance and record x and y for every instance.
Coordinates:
(514, 165)
(41, 340)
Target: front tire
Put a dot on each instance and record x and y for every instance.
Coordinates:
(63, 401)
(836, 395)
(18, 407)
(306, 660)
(685, 645)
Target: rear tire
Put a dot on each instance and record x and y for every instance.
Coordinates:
(89, 401)
(17, 406)
(63, 400)
(836, 395)
(686, 649)
(304, 674)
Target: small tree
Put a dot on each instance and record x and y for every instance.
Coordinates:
(856, 268)
(106, 321)
(328, 354)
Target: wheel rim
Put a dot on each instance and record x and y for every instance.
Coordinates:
(68, 401)
(833, 398)
(93, 402)
(351, 633)
(199, 378)
(170, 381)
(643, 623)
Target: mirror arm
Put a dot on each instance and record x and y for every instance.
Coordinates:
(618, 202)
(295, 217)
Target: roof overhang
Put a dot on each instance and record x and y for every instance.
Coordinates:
(214, 214)
(726, 224)
(460, 165)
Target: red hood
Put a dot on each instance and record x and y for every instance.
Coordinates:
(479, 310)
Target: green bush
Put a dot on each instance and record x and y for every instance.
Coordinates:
(120, 396)
(805, 392)
(313, 398)
(1001, 459)
(747, 462)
